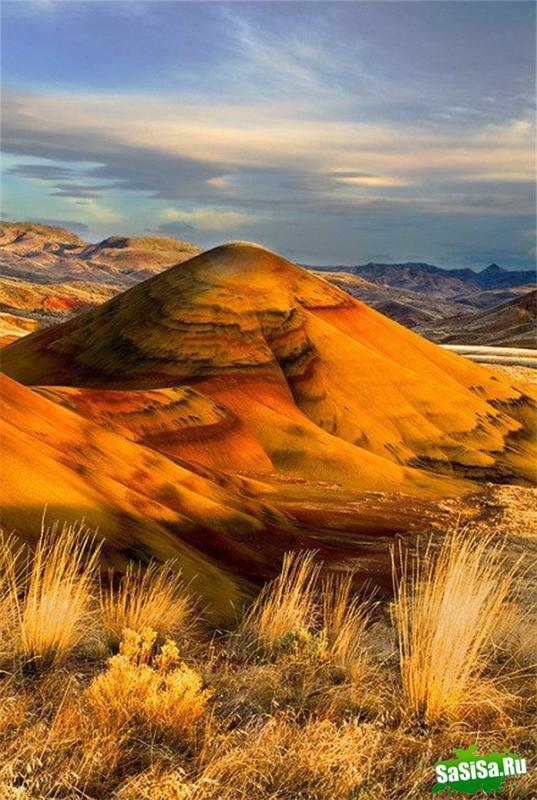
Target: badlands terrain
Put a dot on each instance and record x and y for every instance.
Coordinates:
(259, 539)
(237, 406)
(48, 273)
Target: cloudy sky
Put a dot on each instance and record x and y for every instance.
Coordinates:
(331, 132)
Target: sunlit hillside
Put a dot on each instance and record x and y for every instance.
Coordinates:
(236, 407)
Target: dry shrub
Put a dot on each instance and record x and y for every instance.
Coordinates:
(152, 695)
(447, 609)
(150, 596)
(51, 596)
(316, 759)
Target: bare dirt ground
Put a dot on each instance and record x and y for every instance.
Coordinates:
(510, 512)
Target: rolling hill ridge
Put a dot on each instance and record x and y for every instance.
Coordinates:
(63, 275)
(510, 324)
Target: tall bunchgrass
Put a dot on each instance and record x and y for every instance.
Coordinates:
(12, 562)
(152, 596)
(344, 620)
(447, 609)
(286, 608)
(51, 597)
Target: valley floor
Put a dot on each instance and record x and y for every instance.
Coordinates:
(126, 693)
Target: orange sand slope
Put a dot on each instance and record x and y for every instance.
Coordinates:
(238, 359)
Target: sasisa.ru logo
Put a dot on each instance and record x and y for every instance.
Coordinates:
(469, 772)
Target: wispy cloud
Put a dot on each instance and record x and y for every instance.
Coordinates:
(188, 152)
(207, 218)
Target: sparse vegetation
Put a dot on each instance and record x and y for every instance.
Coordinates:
(146, 693)
(11, 556)
(49, 593)
(447, 611)
(307, 698)
(147, 597)
(284, 610)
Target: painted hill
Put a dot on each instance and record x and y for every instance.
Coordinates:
(511, 324)
(227, 532)
(320, 386)
(236, 407)
(136, 497)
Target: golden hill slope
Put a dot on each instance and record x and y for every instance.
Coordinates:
(315, 383)
(143, 503)
(227, 533)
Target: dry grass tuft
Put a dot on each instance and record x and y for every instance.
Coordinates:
(344, 624)
(287, 759)
(150, 596)
(447, 609)
(285, 610)
(51, 594)
(303, 644)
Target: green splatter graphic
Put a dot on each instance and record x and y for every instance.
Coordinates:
(487, 773)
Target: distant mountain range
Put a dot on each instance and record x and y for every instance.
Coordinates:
(458, 285)
(45, 254)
